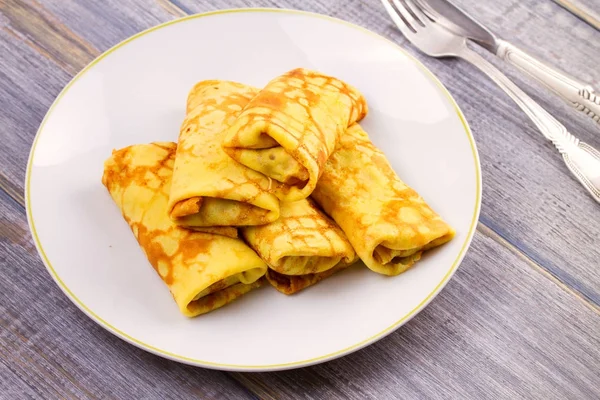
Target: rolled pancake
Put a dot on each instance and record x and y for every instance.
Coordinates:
(303, 246)
(288, 131)
(209, 188)
(203, 271)
(387, 222)
(290, 284)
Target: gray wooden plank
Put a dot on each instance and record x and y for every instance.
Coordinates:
(28, 21)
(106, 23)
(29, 82)
(499, 330)
(40, 55)
(12, 386)
(586, 10)
(50, 349)
(12, 189)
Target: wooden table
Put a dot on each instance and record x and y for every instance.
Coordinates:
(520, 319)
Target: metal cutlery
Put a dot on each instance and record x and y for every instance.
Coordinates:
(579, 95)
(437, 41)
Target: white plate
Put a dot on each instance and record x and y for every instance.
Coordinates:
(135, 93)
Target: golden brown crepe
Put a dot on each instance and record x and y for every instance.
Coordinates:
(302, 247)
(387, 222)
(288, 131)
(209, 188)
(203, 271)
(290, 284)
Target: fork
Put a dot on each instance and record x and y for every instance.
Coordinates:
(435, 40)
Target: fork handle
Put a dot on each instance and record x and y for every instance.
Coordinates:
(581, 159)
(575, 93)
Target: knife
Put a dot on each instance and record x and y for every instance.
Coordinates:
(579, 95)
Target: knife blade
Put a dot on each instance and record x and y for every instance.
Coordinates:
(577, 94)
(455, 19)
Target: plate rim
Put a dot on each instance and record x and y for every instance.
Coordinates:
(266, 367)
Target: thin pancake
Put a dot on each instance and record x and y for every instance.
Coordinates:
(209, 188)
(203, 271)
(288, 131)
(387, 222)
(302, 246)
(290, 284)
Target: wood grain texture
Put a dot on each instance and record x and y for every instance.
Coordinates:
(519, 320)
(106, 23)
(49, 349)
(39, 55)
(29, 21)
(586, 10)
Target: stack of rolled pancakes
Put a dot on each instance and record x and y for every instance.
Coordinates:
(277, 185)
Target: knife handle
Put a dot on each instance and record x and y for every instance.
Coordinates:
(575, 93)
